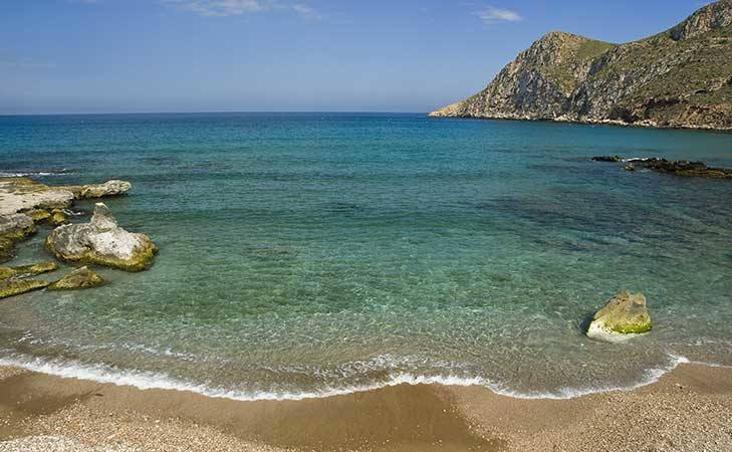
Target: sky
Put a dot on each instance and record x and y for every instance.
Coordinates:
(113, 56)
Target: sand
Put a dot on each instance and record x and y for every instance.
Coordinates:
(689, 409)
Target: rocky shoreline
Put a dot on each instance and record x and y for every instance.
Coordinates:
(26, 206)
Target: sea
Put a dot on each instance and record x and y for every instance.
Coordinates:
(316, 254)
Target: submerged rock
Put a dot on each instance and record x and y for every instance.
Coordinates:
(607, 158)
(680, 168)
(623, 317)
(676, 167)
(102, 242)
(81, 278)
(11, 286)
(109, 188)
(28, 270)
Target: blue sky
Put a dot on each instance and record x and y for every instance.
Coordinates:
(73, 56)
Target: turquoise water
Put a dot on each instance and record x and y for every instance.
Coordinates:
(313, 254)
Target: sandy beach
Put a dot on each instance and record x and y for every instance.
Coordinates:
(689, 409)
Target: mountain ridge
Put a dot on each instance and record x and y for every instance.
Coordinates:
(680, 78)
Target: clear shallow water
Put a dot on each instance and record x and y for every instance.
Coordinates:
(312, 254)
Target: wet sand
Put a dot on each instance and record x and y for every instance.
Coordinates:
(689, 409)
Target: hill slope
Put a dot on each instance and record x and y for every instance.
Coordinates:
(679, 78)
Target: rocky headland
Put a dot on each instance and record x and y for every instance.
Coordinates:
(27, 205)
(680, 78)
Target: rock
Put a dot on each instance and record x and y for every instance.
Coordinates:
(109, 188)
(677, 78)
(10, 287)
(675, 167)
(607, 158)
(21, 194)
(623, 317)
(14, 228)
(681, 168)
(81, 278)
(59, 217)
(38, 215)
(102, 242)
(28, 270)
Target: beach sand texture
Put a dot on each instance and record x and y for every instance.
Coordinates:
(689, 409)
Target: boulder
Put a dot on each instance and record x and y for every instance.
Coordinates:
(27, 270)
(623, 317)
(12, 286)
(102, 242)
(81, 278)
(109, 188)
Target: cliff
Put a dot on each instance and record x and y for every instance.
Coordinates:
(678, 78)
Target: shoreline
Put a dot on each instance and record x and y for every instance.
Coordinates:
(152, 381)
(688, 408)
(606, 122)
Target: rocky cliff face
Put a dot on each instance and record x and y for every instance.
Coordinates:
(678, 78)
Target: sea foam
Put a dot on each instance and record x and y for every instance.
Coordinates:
(150, 380)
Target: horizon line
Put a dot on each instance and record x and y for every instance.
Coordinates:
(222, 112)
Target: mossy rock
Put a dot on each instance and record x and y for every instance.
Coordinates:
(102, 242)
(623, 317)
(10, 238)
(12, 286)
(81, 278)
(38, 215)
(28, 270)
(58, 217)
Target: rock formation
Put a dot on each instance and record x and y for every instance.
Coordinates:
(12, 280)
(623, 317)
(675, 167)
(25, 202)
(102, 242)
(678, 78)
(13, 228)
(81, 278)
(27, 270)
(109, 188)
(12, 286)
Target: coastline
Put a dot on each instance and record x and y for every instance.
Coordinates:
(587, 122)
(686, 409)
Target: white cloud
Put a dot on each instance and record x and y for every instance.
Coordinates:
(491, 15)
(305, 11)
(239, 7)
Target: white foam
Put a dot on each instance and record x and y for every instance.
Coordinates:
(150, 380)
(33, 173)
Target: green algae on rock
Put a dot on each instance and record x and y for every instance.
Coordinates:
(58, 217)
(102, 242)
(80, 278)
(38, 215)
(13, 229)
(28, 270)
(623, 317)
(11, 286)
